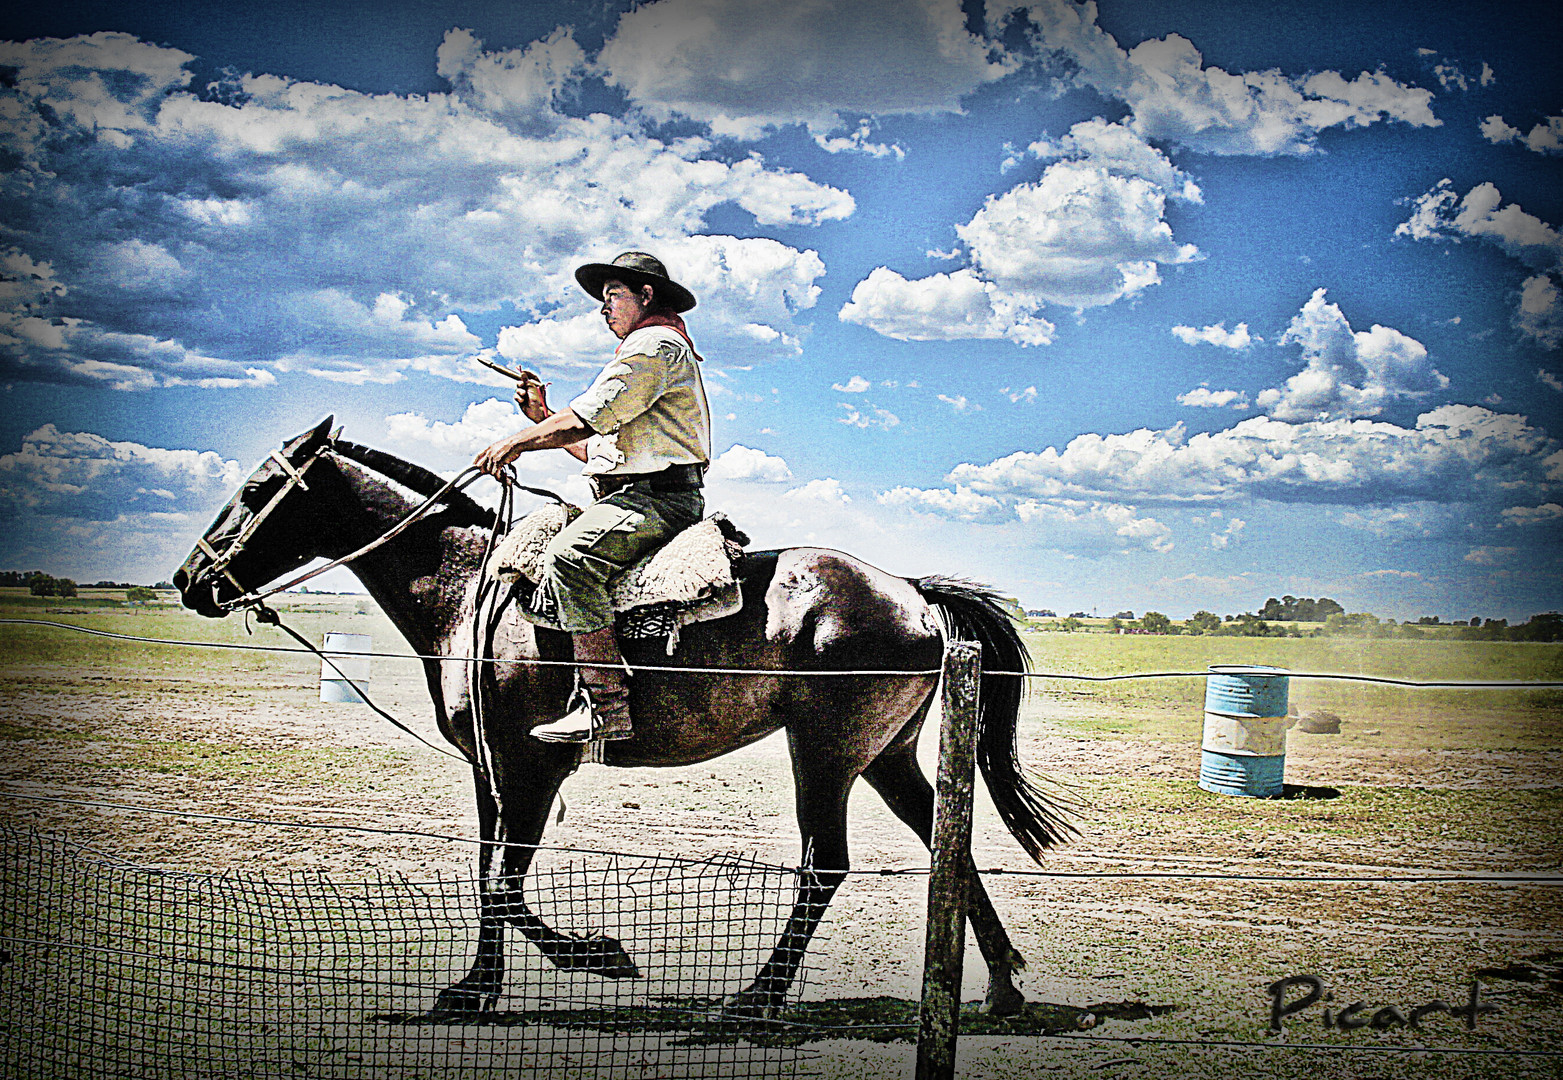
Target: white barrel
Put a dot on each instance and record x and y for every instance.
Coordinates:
(344, 677)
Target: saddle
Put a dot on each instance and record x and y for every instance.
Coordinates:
(690, 579)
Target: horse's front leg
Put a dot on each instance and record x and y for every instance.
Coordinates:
(478, 990)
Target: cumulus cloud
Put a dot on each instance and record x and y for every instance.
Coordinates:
(1174, 96)
(962, 504)
(1453, 454)
(1489, 555)
(826, 492)
(1549, 379)
(1545, 138)
(869, 416)
(1093, 527)
(1090, 231)
(855, 385)
(1539, 314)
(1532, 515)
(1203, 397)
(943, 307)
(1441, 214)
(291, 225)
(740, 462)
(746, 66)
(1348, 374)
(1237, 339)
(1219, 541)
(106, 508)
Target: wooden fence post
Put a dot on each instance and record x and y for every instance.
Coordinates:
(945, 944)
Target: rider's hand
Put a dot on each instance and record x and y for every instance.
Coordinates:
(492, 459)
(532, 397)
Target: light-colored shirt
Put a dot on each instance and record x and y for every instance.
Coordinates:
(647, 407)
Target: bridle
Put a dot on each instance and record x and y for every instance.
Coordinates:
(221, 560)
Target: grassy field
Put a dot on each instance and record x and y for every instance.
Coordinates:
(1462, 780)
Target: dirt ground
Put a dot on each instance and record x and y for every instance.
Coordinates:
(1204, 948)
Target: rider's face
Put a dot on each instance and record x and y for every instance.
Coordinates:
(622, 308)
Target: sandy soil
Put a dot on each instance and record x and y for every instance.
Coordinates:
(267, 750)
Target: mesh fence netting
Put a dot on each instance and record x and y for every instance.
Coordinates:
(109, 969)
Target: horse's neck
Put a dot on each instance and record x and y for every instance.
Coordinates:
(417, 576)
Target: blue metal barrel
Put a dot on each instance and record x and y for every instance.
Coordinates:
(1244, 746)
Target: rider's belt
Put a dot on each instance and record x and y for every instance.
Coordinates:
(672, 478)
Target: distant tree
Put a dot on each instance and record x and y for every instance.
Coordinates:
(1325, 607)
(1114, 624)
(40, 584)
(1155, 622)
(1126, 616)
(64, 587)
(1070, 625)
(139, 594)
(1544, 627)
(1203, 622)
(1079, 614)
(164, 585)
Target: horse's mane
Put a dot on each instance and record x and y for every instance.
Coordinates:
(418, 479)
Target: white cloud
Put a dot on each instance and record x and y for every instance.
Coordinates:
(1488, 555)
(1441, 214)
(855, 385)
(1237, 339)
(869, 416)
(1455, 453)
(355, 223)
(1202, 397)
(1093, 527)
(1539, 315)
(1174, 96)
(942, 307)
(1223, 539)
(1549, 380)
(745, 66)
(826, 491)
(1532, 515)
(1545, 138)
(746, 463)
(1348, 374)
(962, 504)
(959, 403)
(1028, 395)
(1090, 231)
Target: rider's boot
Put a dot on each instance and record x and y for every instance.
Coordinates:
(600, 708)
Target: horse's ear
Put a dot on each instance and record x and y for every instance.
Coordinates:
(321, 433)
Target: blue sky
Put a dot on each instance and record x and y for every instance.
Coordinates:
(1131, 305)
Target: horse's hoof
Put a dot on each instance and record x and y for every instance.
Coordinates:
(1003, 1001)
(461, 1000)
(750, 1004)
(600, 956)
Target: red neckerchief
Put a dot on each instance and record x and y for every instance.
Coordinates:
(671, 321)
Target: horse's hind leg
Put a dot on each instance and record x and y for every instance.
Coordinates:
(899, 780)
(822, 789)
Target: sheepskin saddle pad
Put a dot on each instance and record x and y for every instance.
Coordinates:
(691, 578)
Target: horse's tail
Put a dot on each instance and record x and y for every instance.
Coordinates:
(975, 613)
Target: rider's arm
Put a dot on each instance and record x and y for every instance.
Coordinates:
(562, 429)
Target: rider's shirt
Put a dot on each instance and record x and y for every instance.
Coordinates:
(647, 407)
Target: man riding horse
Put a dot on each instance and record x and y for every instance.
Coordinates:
(643, 428)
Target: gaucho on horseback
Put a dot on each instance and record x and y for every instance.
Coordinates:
(643, 428)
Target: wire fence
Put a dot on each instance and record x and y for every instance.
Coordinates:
(113, 969)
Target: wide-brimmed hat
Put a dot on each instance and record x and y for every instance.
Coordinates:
(636, 268)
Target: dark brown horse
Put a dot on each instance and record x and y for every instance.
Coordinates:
(805, 610)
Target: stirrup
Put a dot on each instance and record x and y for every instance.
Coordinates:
(581, 724)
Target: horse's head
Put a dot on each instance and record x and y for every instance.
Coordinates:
(261, 534)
